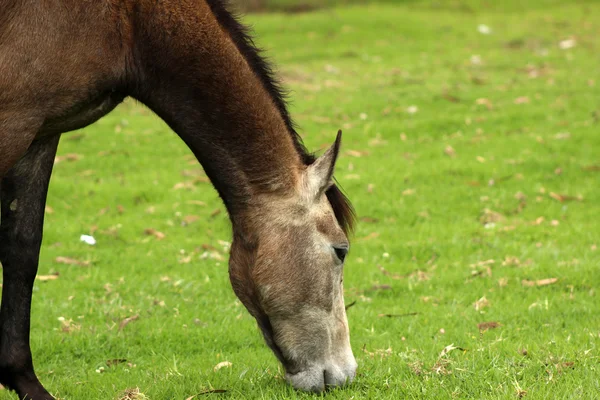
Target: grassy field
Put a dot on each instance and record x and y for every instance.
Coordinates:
(471, 153)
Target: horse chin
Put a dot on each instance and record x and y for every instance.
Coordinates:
(318, 378)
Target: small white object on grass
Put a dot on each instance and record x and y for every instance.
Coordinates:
(484, 29)
(222, 364)
(88, 239)
(412, 109)
(567, 44)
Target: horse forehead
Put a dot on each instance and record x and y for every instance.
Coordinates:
(296, 211)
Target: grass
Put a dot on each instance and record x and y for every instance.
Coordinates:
(296, 6)
(470, 6)
(472, 160)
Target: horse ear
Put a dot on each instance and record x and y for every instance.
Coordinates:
(320, 173)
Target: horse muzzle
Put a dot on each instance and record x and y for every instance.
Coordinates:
(320, 378)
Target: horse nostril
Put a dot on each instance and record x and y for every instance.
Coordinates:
(325, 378)
(329, 379)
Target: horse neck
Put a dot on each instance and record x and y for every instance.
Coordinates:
(192, 75)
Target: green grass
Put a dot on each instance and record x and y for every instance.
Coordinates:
(506, 122)
(470, 6)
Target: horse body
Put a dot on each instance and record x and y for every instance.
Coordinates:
(59, 70)
(66, 63)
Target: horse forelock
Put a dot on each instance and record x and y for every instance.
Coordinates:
(342, 208)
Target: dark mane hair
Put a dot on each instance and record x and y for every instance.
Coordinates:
(241, 36)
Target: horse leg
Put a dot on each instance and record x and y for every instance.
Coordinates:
(23, 197)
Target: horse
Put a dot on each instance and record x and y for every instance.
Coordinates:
(66, 63)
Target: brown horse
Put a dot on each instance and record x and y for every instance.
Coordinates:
(66, 63)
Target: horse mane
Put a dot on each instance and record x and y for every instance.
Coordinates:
(242, 38)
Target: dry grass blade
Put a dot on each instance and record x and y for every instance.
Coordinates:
(381, 353)
(222, 364)
(484, 102)
(539, 282)
(189, 219)
(184, 185)
(51, 277)
(155, 233)
(193, 172)
(128, 320)
(381, 287)
(133, 394)
(440, 367)
(68, 157)
(390, 274)
(450, 98)
(563, 197)
(484, 326)
(481, 304)
(594, 168)
(207, 391)
(196, 203)
(521, 100)
(416, 367)
(449, 348)
(489, 216)
(71, 261)
(356, 153)
(410, 314)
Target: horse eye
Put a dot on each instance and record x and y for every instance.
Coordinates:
(340, 252)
